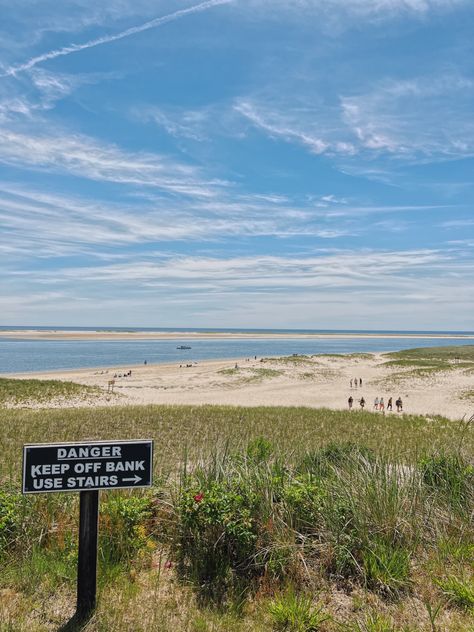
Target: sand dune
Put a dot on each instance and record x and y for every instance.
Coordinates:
(318, 381)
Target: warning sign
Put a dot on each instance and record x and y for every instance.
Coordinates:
(69, 467)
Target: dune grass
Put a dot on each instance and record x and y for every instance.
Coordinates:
(427, 362)
(259, 519)
(195, 430)
(30, 391)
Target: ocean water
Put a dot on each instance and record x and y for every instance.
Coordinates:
(21, 356)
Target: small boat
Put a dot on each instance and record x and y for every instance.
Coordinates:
(183, 347)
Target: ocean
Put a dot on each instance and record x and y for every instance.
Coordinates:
(22, 356)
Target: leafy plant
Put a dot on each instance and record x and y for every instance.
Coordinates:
(124, 527)
(10, 517)
(459, 592)
(373, 623)
(293, 612)
(386, 568)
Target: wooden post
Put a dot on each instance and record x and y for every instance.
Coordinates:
(87, 561)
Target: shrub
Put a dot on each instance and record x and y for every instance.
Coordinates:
(217, 532)
(295, 613)
(124, 527)
(259, 450)
(302, 498)
(10, 517)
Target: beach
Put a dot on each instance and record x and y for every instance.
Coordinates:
(51, 334)
(310, 381)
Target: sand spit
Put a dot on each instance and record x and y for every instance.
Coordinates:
(35, 334)
(313, 381)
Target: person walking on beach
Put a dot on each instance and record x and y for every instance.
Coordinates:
(350, 402)
(382, 404)
(360, 382)
(355, 382)
(389, 404)
(399, 404)
(351, 383)
(362, 403)
(376, 403)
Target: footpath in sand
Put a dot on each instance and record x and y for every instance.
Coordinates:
(312, 381)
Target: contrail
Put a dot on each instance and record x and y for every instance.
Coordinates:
(74, 48)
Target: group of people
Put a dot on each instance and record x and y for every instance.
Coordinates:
(379, 403)
(356, 382)
(127, 374)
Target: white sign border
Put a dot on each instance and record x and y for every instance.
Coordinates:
(86, 443)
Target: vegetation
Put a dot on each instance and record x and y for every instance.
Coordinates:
(259, 519)
(27, 392)
(248, 375)
(428, 362)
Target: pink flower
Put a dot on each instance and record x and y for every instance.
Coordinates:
(198, 497)
(168, 564)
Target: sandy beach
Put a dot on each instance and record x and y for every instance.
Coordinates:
(317, 381)
(37, 334)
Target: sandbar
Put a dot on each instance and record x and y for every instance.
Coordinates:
(38, 334)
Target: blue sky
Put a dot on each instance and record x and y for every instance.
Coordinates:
(243, 163)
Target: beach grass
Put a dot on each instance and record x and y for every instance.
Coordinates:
(259, 519)
(425, 363)
(30, 391)
(191, 431)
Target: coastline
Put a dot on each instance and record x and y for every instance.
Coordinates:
(36, 334)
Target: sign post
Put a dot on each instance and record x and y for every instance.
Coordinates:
(87, 555)
(87, 468)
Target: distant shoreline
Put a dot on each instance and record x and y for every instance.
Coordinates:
(37, 334)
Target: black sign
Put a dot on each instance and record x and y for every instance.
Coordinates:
(73, 467)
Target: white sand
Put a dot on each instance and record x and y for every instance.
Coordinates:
(37, 334)
(320, 381)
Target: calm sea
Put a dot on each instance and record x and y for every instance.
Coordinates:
(19, 356)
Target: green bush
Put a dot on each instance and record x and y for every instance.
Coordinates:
(259, 450)
(302, 497)
(124, 527)
(10, 517)
(217, 531)
(295, 613)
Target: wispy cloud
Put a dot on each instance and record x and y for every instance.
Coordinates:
(86, 157)
(282, 124)
(363, 8)
(424, 118)
(107, 39)
(51, 225)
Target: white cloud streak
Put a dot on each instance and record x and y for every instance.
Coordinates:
(86, 157)
(107, 39)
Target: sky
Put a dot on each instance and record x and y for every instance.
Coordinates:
(237, 163)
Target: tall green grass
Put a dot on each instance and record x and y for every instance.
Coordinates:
(258, 519)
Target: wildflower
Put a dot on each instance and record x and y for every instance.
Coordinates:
(168, 564)
(198, 497)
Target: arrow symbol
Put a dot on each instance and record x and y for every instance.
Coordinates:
(135, 479)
